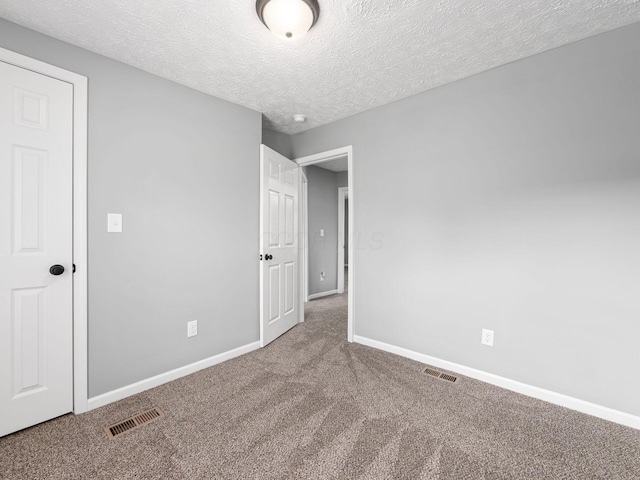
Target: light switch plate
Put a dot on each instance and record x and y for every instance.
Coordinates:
(114, 222)
(322, 232)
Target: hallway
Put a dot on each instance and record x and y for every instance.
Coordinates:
(333, 309)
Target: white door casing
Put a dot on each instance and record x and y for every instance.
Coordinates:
(303, 221)
(36, 232)
(317, 158)
(279, 265)
(343, 193)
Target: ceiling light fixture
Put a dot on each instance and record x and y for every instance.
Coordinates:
(288, 19)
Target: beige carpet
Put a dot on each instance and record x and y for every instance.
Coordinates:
(311, 406)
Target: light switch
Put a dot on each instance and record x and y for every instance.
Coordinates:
(114, 222)
(322, 232)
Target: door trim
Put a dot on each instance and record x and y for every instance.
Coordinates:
(304, 242)
(80, 102)
(343, 193)
(322, 157)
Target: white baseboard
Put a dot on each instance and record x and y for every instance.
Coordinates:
(515, 386)
(322, 294)
(146, 384)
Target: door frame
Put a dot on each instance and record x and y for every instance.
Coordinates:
(80, 102)
(319, 158)
(303, 241)
(343, 193)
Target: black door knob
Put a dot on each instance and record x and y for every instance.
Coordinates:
(56, 270)
(268, 257)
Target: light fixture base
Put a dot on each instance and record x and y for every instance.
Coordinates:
(312, 4)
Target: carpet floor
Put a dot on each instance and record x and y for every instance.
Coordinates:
(312, 406)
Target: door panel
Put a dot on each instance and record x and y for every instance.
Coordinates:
(35, 233)
(289, 289)
(30, 109)
(274, 218)
(279, 286)
(289, 214)
(274, 293)
(29, 200)
(29, 342)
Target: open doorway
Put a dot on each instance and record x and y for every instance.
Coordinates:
(327, 219)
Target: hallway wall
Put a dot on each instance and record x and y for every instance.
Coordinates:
(323, 214)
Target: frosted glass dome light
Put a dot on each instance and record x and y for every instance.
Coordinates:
(288, 19)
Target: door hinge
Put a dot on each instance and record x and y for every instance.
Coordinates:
(74, 268)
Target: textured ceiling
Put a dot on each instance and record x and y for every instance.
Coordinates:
(361, 53)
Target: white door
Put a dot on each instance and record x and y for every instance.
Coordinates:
(279, 269)
(35, 234)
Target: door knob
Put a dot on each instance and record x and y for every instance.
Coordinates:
(56, 270)
(268, 257)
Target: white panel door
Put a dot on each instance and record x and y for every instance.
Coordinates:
(279, 270)
(35, 234)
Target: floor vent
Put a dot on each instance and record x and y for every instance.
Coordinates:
(440, 375)
(433, 373)
(133, 422)
(448, 378)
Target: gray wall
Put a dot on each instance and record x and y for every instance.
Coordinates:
(182, 167)
(323, 214)
(280, 142)
(343, 179)
(511, 201)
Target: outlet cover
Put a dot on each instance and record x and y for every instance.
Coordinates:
(487, 337)
(192, 328)
(114, 222)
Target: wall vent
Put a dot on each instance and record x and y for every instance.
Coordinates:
(131, 423)
(442, 376)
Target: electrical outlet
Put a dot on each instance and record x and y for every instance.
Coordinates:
(114, 222)
(322, 276)
(487, 337)
(192, 328)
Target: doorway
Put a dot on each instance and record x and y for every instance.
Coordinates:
(43, 251)
(338, 160)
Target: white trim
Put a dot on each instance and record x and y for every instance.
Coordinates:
(146, 384)
(313, 296)
(322, 157)
(304, 202)
(536, 392)
(260, 247)
(80, 102)
(343, 193)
